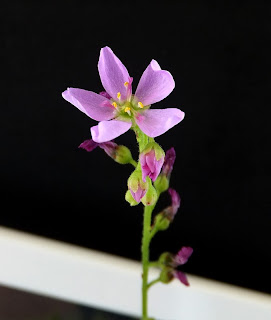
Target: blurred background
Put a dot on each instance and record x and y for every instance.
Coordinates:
(219, 57)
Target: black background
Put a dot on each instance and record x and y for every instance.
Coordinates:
(219, 57)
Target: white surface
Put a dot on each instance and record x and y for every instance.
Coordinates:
(111, 283)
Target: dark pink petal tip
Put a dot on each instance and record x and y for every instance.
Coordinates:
(88, 145)
(182, 277)
(183, 255)
(175, 200)
(169, 162)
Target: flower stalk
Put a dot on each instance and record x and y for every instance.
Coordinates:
(118, 110)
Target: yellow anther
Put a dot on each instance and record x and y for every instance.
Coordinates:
(126, 84)
(114, 105)
(119, 95)
(140, 105)
(128, 110)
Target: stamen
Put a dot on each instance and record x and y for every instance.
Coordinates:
(119, 95)
(140, 105)
(128, 110)
(114, 104)
(126, 84)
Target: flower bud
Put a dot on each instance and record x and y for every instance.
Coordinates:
(150, 197)
(137, 187)
(120, 154)
(166, 275)
(151, 160)
(129, 198)
(169, 162)
(161, 184)
(165, 259)
(161, 223)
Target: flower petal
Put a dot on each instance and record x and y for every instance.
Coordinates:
(113, 73)
(182, 277)
(155, 84)
(154, 122)
(88, 145)
(182, 256)
(108, 130)
(92, 104)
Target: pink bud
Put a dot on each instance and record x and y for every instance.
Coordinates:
(169, 162)
(150, 165)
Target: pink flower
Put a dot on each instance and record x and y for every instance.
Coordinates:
(117, 108)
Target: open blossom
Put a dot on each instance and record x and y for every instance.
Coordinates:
(117, 107)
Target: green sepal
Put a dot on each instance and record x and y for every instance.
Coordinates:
(166, 275)
(123, 155)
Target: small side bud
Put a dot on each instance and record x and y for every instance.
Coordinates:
(137, 187)
(120, 154)
(166, 275)
(161, 183)
(165, 259)
(150, 197)
(129, 198)
(123, 155)
(161, 222)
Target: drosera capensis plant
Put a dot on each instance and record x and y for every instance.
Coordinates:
(118, 110)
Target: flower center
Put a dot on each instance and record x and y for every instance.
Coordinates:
(130, 106)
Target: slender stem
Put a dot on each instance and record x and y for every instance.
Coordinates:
(133, 163)
(153, 282)
(145, 259)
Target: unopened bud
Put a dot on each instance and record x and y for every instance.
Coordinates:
(120, 154)
(129, 198)
(161, 222)
(166, 275)
(150, 197)
(161, 183)
(151, 160)
(137, 187)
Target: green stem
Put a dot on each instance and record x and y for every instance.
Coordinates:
(133, 163)
(153, 282)
(145, 259)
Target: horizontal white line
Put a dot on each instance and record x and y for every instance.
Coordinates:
(91, 278)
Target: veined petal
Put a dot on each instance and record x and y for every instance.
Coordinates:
(92, 104)
(113, 73)
(109, 130)
(154, 122)
(155, 84)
